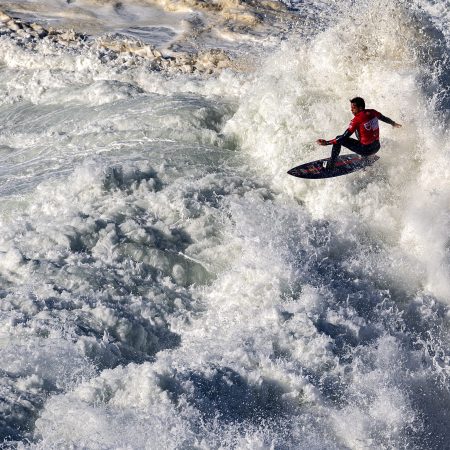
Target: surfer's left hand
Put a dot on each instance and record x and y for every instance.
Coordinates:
(321, 142)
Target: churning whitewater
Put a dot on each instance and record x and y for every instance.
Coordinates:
(164, 283)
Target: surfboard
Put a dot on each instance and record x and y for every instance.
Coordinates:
(345, 164)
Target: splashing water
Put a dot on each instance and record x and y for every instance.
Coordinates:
(165, 284)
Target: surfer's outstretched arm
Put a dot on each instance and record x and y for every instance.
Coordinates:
(389, 121)
(347, 133)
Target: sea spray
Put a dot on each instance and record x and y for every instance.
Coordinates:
(164, 283)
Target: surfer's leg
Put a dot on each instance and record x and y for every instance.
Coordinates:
(349, 143)
(335, 150)
(354, 145)
(366, 151)
(363, 150)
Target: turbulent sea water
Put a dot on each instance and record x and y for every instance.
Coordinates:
(164, 284)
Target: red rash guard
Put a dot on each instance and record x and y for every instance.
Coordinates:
(365, 123)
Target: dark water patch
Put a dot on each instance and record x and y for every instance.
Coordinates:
(223, 395)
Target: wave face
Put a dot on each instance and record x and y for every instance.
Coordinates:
(165, 284)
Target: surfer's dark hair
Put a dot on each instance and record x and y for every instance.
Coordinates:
(359, 102)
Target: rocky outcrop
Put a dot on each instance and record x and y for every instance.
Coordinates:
(208, 61)
(114, 47)
(31, 32)
(223, 24)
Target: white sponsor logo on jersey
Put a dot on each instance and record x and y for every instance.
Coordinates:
(371, 124)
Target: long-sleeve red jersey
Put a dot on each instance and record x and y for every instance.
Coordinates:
(365, 124)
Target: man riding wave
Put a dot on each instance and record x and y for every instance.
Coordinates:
(365, 124)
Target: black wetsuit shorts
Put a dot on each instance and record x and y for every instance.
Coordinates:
(355, 146)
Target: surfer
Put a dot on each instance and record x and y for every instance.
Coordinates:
(365, 124)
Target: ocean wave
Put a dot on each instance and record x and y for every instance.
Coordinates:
(164, 283)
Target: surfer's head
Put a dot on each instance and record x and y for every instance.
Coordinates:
(357, 104)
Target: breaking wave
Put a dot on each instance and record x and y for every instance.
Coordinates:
(165, 284)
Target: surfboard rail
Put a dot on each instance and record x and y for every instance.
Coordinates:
(344, 165)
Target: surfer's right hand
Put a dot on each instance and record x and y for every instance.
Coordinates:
(321, 142)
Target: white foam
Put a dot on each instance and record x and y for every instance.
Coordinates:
(290, 108)
(165, 284)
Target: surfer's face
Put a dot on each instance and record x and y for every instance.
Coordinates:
(355, 109)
